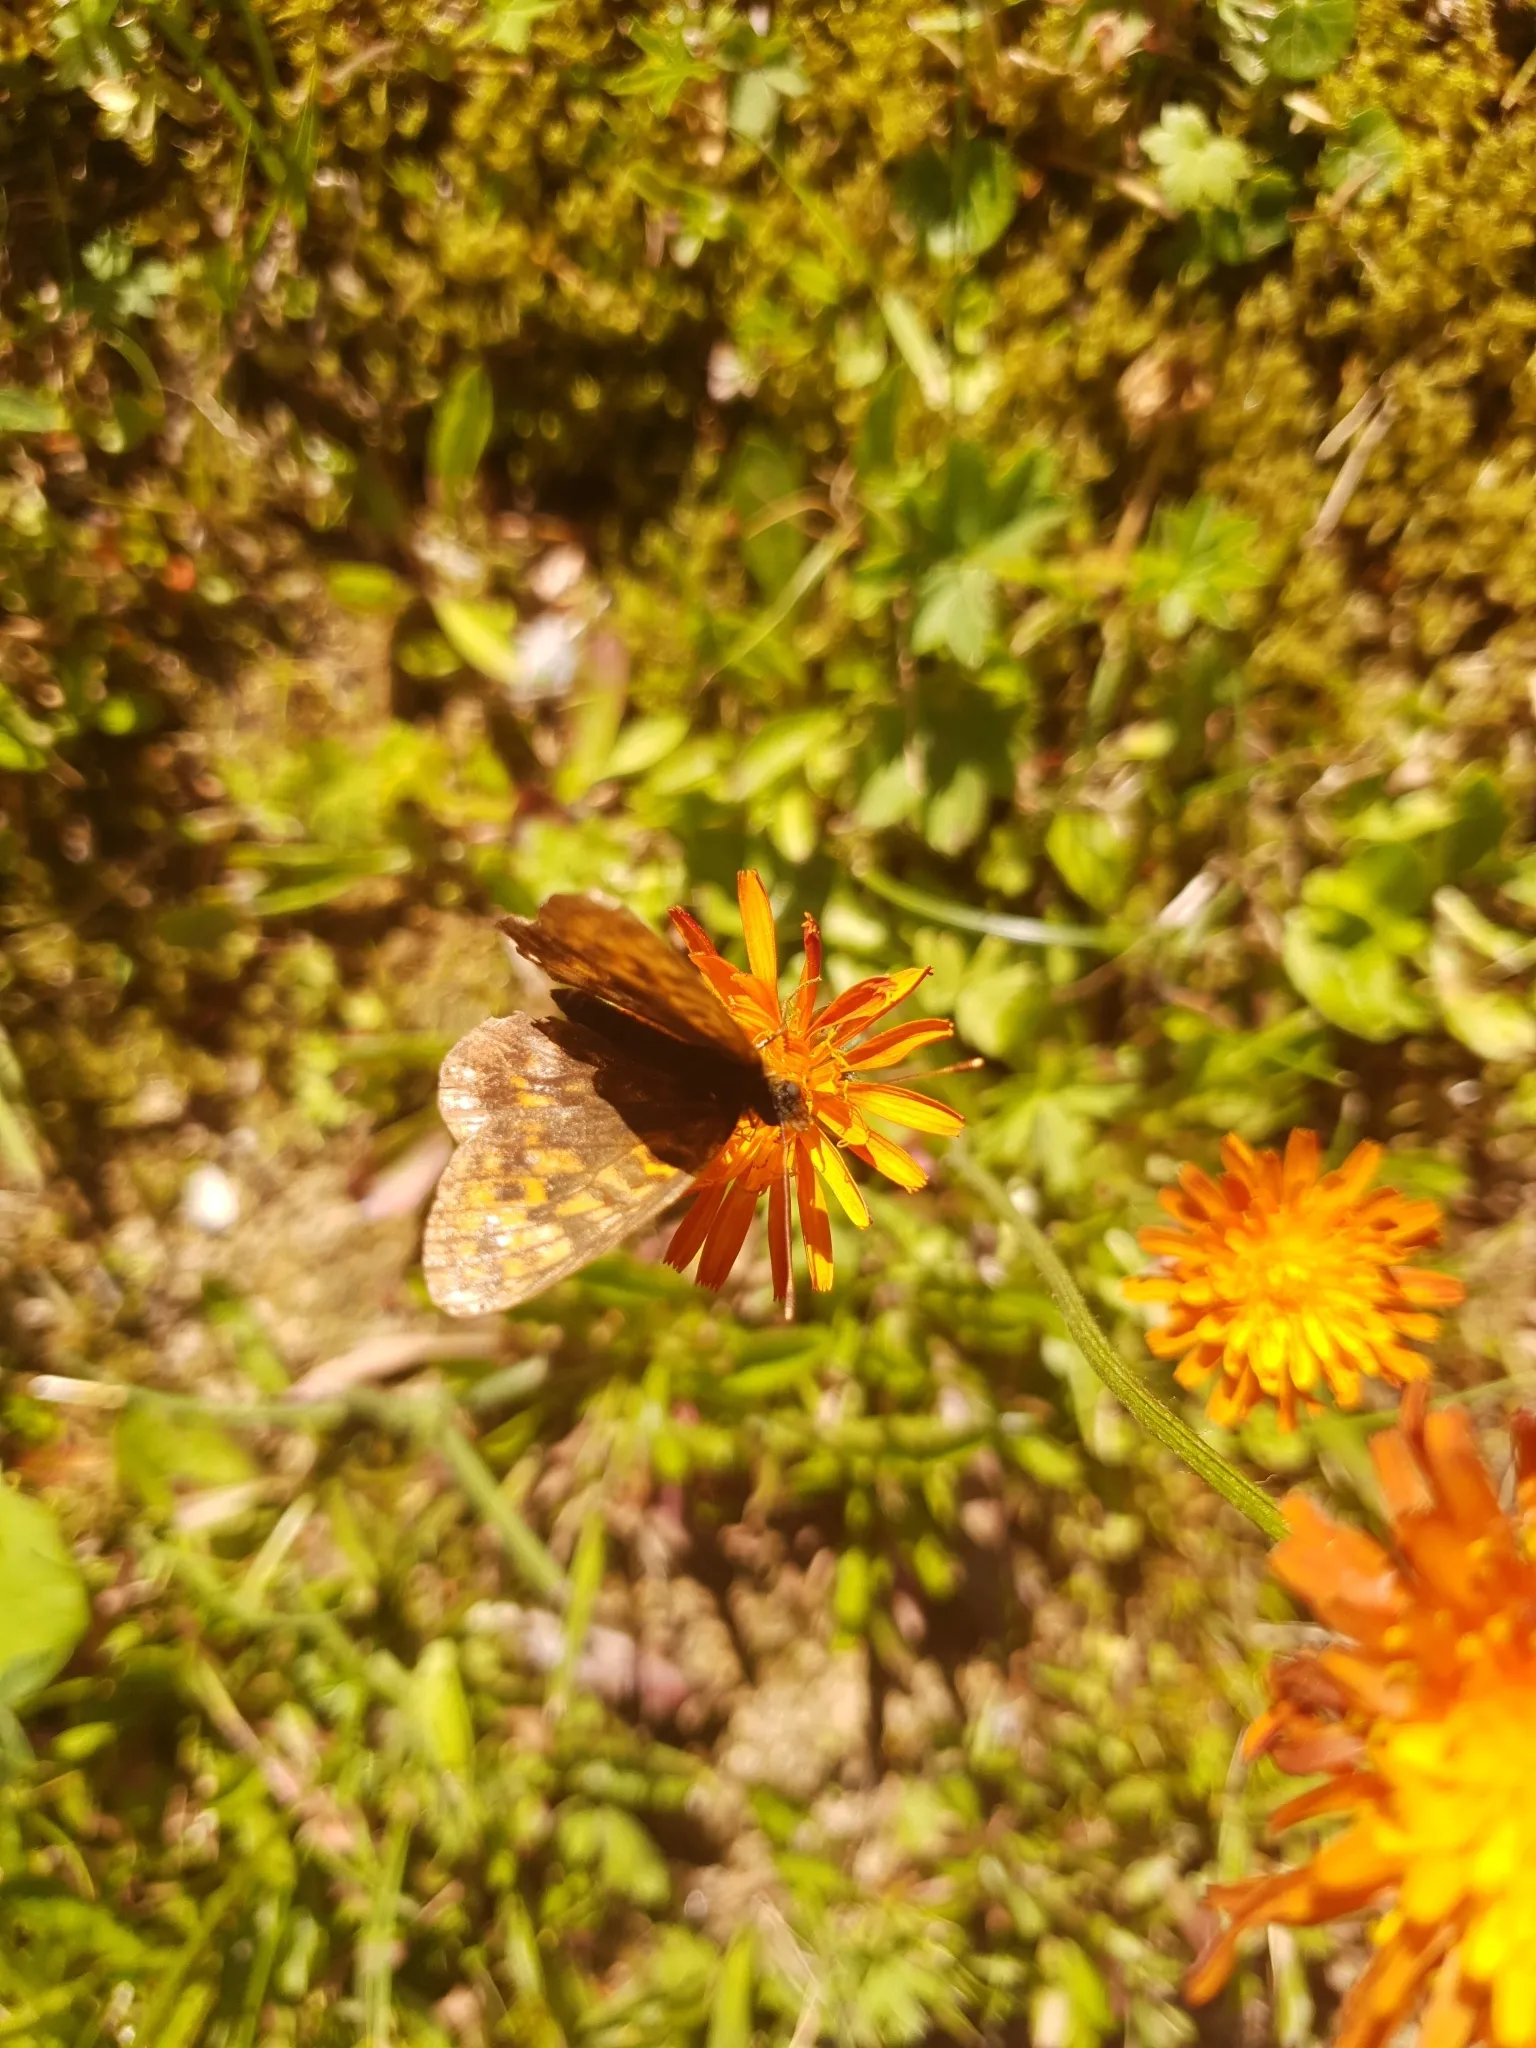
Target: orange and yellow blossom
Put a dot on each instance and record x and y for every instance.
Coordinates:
(815, 1067)
(1282, 1281)
(1417, 1720)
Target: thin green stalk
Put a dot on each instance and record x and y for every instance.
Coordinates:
(256, 36)
(161, 2003)
(508, 1384)
(999, 924)
(181, 38)
(375, 1959)
(1155, 1416)
(18, 1155)
(521, 1545)
(810, 572)
(271, 1924)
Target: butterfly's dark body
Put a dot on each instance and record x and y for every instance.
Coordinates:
(576, 1130)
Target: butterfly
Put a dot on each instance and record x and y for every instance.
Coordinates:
(575, 1131)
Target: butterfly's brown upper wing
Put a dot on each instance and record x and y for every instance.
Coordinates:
(606, 952)
(566, 1147)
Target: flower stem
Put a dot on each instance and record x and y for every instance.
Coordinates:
(1122, 1380)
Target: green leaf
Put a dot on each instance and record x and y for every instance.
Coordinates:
(30, 412)
(1351, 976)
(794, 825)
(666, 67)
(461, 427)
(998, 1009)
(439, 1711)
(956, 612)
(614, 1843)
(367, 587)
(730, 2016)
(860, 352)
(1092, 853)
(852, 1590)
(956, 815)
(1490, 1022)
(427, 656)
(1260, 220)
(592, 730)
(644, 742)
(763, 476)
(754, 107)
(1200, 557)
(916, 346)
(508, 24)
(481, 633)
(1495, 942)
(782, 747)
(1197, 168)
(1309, 37)
(961, 204)
(43, 1606)
(157, 1456)
(1368, 160)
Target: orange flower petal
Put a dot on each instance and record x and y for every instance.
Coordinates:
(867, 1002)
(754, 1008)
(803, 1001)
(903, 1106)
(727, 1235)
(815, 1224)
(694, 1228)
(888, 1048)
(908, 1107)
(894, 1161)
(692, 933)
(778, 1236)
(833, 1169)
(1428, 1290)
(758, 928)
(1302, 1153)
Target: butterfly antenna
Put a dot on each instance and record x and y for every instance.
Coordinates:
(932, 1073)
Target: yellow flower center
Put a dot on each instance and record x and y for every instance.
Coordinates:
(1461, 1813)
(1288, 1266)
(801, 1068)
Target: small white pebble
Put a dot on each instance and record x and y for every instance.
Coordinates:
(546, 657)
(554, 574)
(210, 1200)
(727, 376)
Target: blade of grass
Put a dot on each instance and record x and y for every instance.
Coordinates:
(801, 584)
(1123, 1381)
(182, 40)
(166, 1993)
(522, 1546)
(997, 924)
(375, 1948)
(271, 1923)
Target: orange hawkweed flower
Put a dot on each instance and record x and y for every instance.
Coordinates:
(814, 1064)
(1281, 1282)
(1417, 1721)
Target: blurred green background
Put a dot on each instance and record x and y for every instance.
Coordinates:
(1054, 490)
